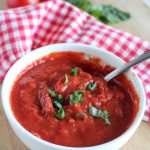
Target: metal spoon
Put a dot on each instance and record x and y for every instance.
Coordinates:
(128, 65)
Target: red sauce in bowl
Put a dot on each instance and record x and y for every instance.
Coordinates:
(62, 98)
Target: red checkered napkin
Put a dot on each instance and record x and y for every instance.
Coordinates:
(55, 21)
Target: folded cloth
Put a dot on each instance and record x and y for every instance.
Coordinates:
(26, 28)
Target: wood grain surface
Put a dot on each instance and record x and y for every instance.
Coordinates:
(138, 25)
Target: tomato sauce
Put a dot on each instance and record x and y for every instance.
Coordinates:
(33, 106)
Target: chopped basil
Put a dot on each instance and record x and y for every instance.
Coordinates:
(52, 93)
(74, 71)
(57, 104)
(76, 97)
(81, 115)
(58, 97)
(73, 99)
(106, 114)
(66, 79)
(91, 86)
(60, 114)
(79, 92)
(99, 114)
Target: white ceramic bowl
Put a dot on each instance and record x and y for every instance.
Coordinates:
(35, 143)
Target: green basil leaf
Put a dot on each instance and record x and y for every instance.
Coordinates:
(106, 117)
(60, 114)
(82, 4)
(52, 93)
(57, 104)
(91, 86)
(74, 71)
(79, 92)
(73, 99)
(81, 100)
(114, 15)
(93, 111)
(66, 79)
(99, 114)
(76, 97)
(81, 115)
(58, 97)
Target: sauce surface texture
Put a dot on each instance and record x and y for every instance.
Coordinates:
(62, 98)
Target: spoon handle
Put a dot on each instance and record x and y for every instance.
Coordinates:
(128, 65)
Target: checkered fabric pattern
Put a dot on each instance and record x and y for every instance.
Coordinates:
(27, 28)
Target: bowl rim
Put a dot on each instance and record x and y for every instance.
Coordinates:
(132, 127)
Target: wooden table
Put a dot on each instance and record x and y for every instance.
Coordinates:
(138, 25)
